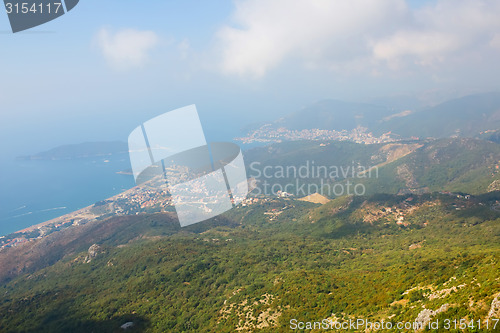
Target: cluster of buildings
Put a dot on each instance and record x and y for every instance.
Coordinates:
(11, 242)
(249, 201)
(457, 195)
(283, 194)
(133, 201)
(274, 213)
(360, 134)
(143, 198)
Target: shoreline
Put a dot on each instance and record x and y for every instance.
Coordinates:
(75, 214)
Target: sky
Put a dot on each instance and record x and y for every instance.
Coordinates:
(107, 66)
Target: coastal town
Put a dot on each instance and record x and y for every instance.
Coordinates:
(267, 133)
(148, 198)
(138, 200)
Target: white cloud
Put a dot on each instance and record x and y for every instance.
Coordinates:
(355, 35)
(427, 46)
(447, 29)
(314, 30)
(126, 48)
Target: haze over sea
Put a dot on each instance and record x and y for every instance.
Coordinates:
(34, 191)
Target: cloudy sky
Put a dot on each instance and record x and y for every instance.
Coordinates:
(106, 66)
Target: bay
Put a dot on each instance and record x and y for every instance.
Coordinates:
(35, 191)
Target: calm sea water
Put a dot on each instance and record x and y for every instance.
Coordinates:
(36, 191)
(32, 192)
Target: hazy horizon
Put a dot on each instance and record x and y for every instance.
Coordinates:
(93, 74)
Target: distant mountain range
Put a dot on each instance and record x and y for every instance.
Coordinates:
(471, 116)
(334, 115)
(468, 116)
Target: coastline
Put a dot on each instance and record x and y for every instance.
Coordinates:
(80, 214)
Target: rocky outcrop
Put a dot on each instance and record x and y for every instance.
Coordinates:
(494, 186)
(425, 316)
(94, 251)
(127, 325)
(495, 308)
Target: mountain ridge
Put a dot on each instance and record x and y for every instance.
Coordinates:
(468, 116)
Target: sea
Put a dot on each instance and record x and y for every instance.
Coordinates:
(35, 191)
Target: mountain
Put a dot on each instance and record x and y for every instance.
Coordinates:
(81, 150)
(301, 168)
(334, 115)
(420, 245)
(456, 164)
(410, 258)
(467, 116)
(116, 230)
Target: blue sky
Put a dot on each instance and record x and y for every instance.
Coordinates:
(106, 66)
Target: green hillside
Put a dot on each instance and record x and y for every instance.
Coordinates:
(458, 164)
(467, 116)
(409, 250)
(381, 257)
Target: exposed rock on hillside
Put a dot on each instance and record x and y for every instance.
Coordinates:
(494, 186)
(495, 308)
(93, 252)
(425, 316)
